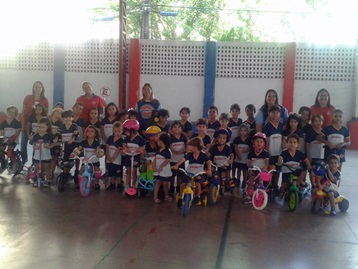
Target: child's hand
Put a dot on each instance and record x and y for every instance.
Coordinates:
(174, 167)
(329, 145)
(47, 145)
(340, 145)
(72, 155)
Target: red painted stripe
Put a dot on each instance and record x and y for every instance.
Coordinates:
(134, 72)
(289, 82)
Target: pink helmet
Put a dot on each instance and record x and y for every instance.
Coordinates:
(131, 125)
(260, 135)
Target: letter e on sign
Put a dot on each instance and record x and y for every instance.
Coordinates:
(105, 91)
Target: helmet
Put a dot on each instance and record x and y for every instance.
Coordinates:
(319, 169)
(260, 135)
(152, 130)
(222, 131)
(131, 125)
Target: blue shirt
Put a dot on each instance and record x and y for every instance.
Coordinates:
(220, 157)
(274, 138)
(258, 159)
(335, 136)
(196, 165)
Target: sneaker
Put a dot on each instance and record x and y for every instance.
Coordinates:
(180, 203)
(333, 212)
(96, 187)
(77, 186)
(35, 184)
(247, 200)
(47, 183)
(196, 200)
(119, 187)
(111, 187)
(156, 200)
(31, 181)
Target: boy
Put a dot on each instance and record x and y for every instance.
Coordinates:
(201, 126)
(10, 128)
(77, 110)
(213, 123)
(234, 121)
(184, 114)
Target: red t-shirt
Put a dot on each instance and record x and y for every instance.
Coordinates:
(94, 102)
(326, 112)
(29, 102)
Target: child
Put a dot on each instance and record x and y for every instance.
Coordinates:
(110, 117)
(221, 155)
(114, 158)
(305, 115)
(123, 116)
(273, 131)
(161, 167)
(235, 121)
(250, 111)
(224, 123)
(336, 138)
(38, 113)
(242, 146)
(91, 152)
(69, 133)
(77, 111)
(201, 126)
(93, 119)
(184, 114)
(197, 159)
(293, 126)
(294, 158)
(177, 147)
(212, 123)
(10, 128)
(42, 143)
(55, 121)
(133, 144)
(162, 122)
(333, 176)
(259, 157)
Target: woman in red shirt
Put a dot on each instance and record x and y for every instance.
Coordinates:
(323, 106)
(37, 96)
(89, 100)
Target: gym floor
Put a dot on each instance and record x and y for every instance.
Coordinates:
(42, 228)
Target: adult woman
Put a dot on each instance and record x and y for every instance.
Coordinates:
(323, 106)
(37, 96)
(271, 99)
(89, 100)
(146, 106)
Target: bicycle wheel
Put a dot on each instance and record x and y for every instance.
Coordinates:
(259, 199)
(343, 205)
(316, 205)
(186, 205)
(85, 191)
(213, 194)
(292, 200)
(60, 183)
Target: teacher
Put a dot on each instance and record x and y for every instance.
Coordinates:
(323, 106)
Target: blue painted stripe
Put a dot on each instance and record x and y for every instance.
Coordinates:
(59, 74)
(210, 76)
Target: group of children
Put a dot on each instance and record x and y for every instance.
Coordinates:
(227, 141)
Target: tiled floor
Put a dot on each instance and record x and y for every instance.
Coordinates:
(42, 228)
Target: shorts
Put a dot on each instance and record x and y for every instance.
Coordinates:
(114, 170)
(127, 161)
(56, 151)
(163, 179)
(42, 161)
(186, 179)
(273, 160)
(240, 166)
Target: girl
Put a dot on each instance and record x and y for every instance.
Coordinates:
(305, 115)
(314, 148)
(250, 111)
(111, 116)
(294, 158)
(177, 147)
(336, 138)
(38, 113)
(42, 143)
(242, 145)
(145, 107)
(293, 126)
(77, 119)
(133, 144)
(56, 121)
(93, 119)
(90, 147)
(161, 167)
(162, 123)
(114, 158)
(259, 157)
(197, 159)
(184, 114)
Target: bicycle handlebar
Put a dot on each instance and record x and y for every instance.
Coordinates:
(258, 169)
(191, 174)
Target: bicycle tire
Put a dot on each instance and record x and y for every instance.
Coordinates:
(85, 191)
(186, 205)
(60, 183)
(259, 199)
(292, 200)
(316, 205)
(213, 195)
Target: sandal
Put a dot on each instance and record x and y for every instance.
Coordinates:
(156, 200)
(168, 199)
